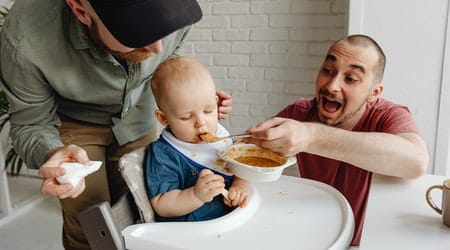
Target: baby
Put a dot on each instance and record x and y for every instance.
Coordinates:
(183, 175)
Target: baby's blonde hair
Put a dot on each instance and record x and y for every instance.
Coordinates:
(174, 72)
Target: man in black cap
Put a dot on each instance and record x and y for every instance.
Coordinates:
(76, 75)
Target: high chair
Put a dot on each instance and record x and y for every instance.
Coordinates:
(289, 213)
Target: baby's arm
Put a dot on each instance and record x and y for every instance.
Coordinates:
(179, 202)
(238, 193)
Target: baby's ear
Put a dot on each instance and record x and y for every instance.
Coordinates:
(161, 117)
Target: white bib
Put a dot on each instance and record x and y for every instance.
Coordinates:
(204, 154)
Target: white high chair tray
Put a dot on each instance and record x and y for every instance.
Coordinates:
(290, 213)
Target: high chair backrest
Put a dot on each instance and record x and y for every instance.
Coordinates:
(131, 166)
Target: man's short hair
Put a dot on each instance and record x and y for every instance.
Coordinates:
(367, 41)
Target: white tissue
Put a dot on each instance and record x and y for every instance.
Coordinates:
(76, 171)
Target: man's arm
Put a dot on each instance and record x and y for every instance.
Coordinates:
(401, 155)
(32, 105)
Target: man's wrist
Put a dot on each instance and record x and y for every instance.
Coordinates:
(51, 152)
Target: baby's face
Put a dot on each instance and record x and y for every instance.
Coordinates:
(191, 111)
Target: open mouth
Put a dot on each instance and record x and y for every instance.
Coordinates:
(330, 106)
(199, 139)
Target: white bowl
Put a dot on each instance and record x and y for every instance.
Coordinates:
(251, 172)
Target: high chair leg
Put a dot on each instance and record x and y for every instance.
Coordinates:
(102, 224)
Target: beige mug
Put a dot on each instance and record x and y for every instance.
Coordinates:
(444, 210)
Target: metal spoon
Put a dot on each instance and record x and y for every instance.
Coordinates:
(234, 137)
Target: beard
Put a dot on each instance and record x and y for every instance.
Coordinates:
(135, 56)
(340, 122)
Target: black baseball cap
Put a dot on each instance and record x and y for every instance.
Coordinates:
(137, 23)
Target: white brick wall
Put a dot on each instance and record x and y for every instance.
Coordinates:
(265, 53)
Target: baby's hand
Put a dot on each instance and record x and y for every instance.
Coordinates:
(238, 193)
(208, 185)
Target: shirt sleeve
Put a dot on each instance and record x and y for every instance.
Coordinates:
(398, 120)
(162, 171)
(32, 109)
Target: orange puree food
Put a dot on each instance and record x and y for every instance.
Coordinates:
(209, 137)
(257, 161)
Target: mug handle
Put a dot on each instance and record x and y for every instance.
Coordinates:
(430, 200)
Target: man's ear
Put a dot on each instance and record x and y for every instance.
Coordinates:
(79, 10)
(376, 91)
(161, 117)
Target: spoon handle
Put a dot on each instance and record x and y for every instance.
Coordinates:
(235, 137)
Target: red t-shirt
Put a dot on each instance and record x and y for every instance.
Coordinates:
(351, 181)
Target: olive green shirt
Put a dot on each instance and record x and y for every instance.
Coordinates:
(49, 66)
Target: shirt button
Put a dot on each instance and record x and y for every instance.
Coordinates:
(126, 109)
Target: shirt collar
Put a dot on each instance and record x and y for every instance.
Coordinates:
(79, 34)
(81, 39)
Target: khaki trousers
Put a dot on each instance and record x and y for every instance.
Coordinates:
(106, 184)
